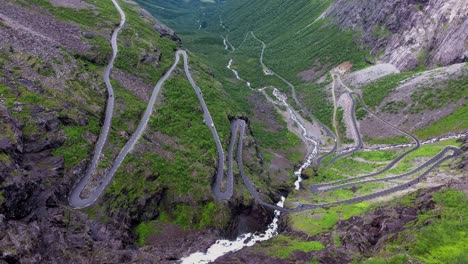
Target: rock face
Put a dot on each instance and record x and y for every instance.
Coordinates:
(364, 235)
(464, 163)
(162, 29)
(408, 32)
(51, 93)
(166, 32)
(406, 117)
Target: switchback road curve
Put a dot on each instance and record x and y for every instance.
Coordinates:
(223, 188)
(77, 201)
(294, 96)
(417, 145)
(239, 127)
(74, 199)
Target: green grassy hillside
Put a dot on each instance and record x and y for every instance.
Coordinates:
(52, 104)
(172, 165)
(296, 42)
(293, 42)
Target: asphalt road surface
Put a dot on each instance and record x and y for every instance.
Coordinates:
(74, 199)
(223, 187)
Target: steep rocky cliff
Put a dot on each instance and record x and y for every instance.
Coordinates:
(407, 33)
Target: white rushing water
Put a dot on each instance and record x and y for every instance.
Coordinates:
(282, 98)
(229, 66)
(222, 247)
(429, 141)
(236, 73)
(225, 44)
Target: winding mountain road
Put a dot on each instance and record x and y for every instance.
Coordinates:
(77, 201)
(340, 184)
(328, 132)
(431, 165)
(359, 144)
(335, 107)
(428, 163)
(238, 126)
(390, 165)
(223, 187)
(74, 199)
(354, 120)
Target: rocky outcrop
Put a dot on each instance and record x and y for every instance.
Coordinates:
(360, 236)
(464, 160)
(42, 27)
(36, 224)
(408, 32)
(30, 164)
(163, 30)
(407, 116)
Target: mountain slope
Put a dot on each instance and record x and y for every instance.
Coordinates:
(323, 56)
(52, 59)
(287, 70)
(408, 33)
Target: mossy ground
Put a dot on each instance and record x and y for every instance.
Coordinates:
(184, 180)
(425, 97)
(320, 220)
(437, 236)
(179, 116)
(283, 246)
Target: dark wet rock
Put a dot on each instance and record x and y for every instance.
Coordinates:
(52, 125)
(464, 159)
(30, 85)
(151, 58)
(248, 218)
(464, 146)
(5, 143)
(17, 191)
(332, 256)
(43, 164)
(10, 138)
(174, 243)
(149, 206)
(38, 142)
(76, 119)
(89, 35)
